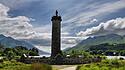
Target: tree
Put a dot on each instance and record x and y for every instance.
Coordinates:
(32, 53)
(73, 53)
(10, 55)
(35, 50)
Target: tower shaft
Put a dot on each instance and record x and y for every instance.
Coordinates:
(56, 35)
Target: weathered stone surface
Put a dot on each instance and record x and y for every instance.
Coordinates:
(56, 35)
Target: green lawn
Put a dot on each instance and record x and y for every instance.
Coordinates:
(13, 65)
(104, 65)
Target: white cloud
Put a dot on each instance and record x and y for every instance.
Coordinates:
(91, 11)
(116, 26)
(81, 16)
(16, 3)
(44, 48)
(94, 20)
(3, 10)
(44, 28)
(16, 27)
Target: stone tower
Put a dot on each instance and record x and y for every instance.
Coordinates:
(56, 35)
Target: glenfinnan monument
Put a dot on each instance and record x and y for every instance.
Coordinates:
(56, 35)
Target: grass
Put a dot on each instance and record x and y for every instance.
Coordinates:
(13, 65)
(38, 66)
(113, 64)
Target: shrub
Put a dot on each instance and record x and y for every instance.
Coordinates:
(38, 66)
(78, 67)
(1, 66)
(95, 68)
(104, 68)
(113, 64)
(1, 60)
(121, 58)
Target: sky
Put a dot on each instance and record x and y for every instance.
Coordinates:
(30, 20)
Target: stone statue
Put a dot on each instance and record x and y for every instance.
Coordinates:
(56, 13)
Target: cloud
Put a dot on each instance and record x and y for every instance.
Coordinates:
(17, 27)
(3, 10)
(44, 48)
(43, 29)
(94, 20)
(116, 26)
(16, 3)
(95, 9)
(80, 16)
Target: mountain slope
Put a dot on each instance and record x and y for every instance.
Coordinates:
(10, 42)
(111, 39)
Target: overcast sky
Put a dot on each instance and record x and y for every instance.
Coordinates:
(30, 20)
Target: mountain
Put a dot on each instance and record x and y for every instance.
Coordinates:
(38, 43)
(10, 42)
(110, 38)
(2, 36)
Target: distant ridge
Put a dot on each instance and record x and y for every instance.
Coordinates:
(110, 38)
(11, 43)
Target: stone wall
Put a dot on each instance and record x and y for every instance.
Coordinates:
(64, 61)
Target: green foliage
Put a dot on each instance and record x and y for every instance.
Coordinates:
(10, 55)
(107, 46)
(108, 49)
(13, 65)
(78, 67)
(113, 64)
(32, 53)
(16, 52)
(38, 66)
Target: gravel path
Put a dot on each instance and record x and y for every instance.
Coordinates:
(69, 68)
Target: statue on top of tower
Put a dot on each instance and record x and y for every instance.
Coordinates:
(56, 16)
(56, 13)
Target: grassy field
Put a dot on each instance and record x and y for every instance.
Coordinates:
(104, 65)
(13, 65)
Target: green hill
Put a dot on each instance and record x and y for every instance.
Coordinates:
(91, 41)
